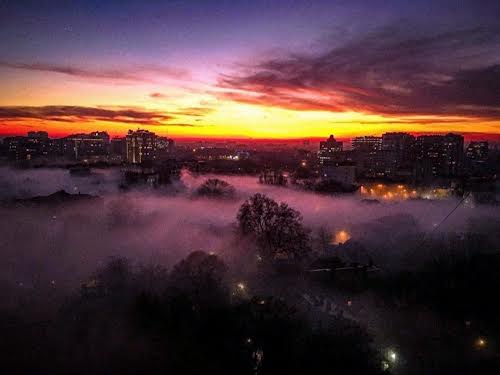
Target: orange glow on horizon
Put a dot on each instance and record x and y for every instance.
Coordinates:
(230, 122)
(213, 117)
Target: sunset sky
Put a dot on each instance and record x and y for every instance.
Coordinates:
(258, 69)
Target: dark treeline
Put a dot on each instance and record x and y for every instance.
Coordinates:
(191, 320)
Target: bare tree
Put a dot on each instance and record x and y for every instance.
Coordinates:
(277, 228)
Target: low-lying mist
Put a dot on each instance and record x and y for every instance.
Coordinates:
(54, 249)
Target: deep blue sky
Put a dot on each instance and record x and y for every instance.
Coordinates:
(151, 30)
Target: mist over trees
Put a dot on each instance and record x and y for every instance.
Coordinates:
(276, 228)
(131, 319)
(62, 298)
(216, 188)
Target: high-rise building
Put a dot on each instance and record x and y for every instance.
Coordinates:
(15, 147)
(429, 149)
(453, 155)
(402, 144)
(439, 156)
(477, 151)
(377, 164)
(36, 144)
(367, 143)
(476, 156)
(86, 146)
(328, 149)
(140, 146)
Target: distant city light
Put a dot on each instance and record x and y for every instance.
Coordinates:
(341, 237)
(391, 192)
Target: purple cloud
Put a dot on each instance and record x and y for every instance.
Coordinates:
(393, 70)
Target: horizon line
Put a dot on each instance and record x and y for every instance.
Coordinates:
(495, 137)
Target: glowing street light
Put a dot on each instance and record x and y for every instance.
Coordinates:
(481, 343)
(390, 359)
(391, 356)
(341, 237)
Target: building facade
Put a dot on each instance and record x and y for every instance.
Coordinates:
(140, 146)
(366, 144)
(329, 149)
(439, 156)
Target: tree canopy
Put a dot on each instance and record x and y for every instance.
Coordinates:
(276, 227)
(216, 188)
(200, 275)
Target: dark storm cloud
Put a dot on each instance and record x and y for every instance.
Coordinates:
(392, 70)
(139, 73)
(79, 114)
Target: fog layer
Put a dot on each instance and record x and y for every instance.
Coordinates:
(58, 248)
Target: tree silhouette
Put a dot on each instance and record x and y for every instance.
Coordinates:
(277, 228)
(200, 276)
(216, 188)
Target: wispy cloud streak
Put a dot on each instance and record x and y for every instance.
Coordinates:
(392, 70)
(84, 114)
(130, 74)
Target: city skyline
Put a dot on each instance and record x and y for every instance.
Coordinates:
(251, 71)
(251, 187)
